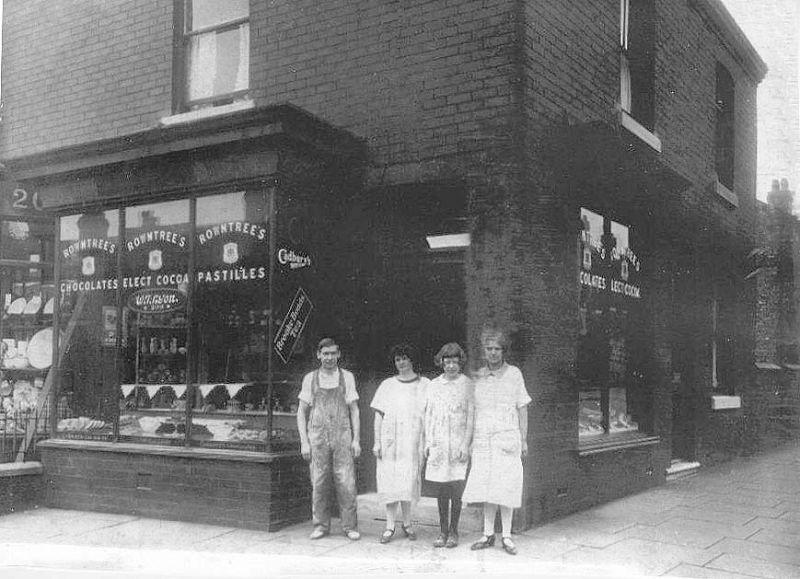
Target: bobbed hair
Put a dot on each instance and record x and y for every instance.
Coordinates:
(450, 350)
(404, 349)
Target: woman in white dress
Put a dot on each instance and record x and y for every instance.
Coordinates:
(500, 441)
(449, 418)
(399, 406)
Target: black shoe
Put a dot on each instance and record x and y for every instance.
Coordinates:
(452, 540)
(483, 543)
(409, 532)
(440, 541)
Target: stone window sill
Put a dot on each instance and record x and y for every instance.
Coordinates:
(592, 445)
(725, 402)
(206, 113)
(634, 127)
(724, 193)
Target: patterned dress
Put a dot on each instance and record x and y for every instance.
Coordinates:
(447, 406)
(398, 469)
(496, 472)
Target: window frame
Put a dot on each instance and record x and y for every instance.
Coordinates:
(183, 36)
(637, 66)
(612, 320)
(273, 375)
(725, 127)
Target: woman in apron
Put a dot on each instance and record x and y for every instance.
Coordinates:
(399, 404)
(500, 441)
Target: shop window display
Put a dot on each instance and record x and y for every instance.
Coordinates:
(26, 328)
(168, 326)
(610, 355)
(87, 291)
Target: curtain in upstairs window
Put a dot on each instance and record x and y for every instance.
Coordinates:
(243, 72)
(202, 66)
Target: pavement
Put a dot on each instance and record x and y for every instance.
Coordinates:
(736, 520)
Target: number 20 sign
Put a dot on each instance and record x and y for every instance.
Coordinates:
(17, 201)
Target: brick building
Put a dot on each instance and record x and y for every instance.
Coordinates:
(582, 174)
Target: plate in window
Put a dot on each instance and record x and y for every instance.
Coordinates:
(17, 306)
(40, 349)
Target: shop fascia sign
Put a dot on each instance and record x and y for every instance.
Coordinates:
(615, 272)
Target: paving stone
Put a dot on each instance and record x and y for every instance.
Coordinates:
(773, 537)
(687, 533)
(754, 567)
(697, 572)
(710, 514)
(783, 526)
(639, 556)
(758, 550)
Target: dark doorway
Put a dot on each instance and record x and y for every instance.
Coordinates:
(411, 287)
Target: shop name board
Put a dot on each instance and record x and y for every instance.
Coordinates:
(156, 300)
(292, 326)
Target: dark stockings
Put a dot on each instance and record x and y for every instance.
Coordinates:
(449, 502)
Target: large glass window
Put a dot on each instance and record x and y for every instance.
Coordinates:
(87, 293)
(166, 322)
(232, 317)
(216, 52)
(154, 288)
(26, 328)
(610, 342)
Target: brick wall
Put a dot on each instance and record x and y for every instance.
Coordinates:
(79, 72)
(220, 491)
(21, 486)
(416, 79)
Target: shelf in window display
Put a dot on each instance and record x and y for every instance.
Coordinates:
(26, 371)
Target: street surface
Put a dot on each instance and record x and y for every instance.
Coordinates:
(737, 520)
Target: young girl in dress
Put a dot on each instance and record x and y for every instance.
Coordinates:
(449, 417)
(399, 403)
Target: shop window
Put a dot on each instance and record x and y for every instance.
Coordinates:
(724, 136)
(154, 290)
(26, 329)
(165, 319)
(214, 53)
(610, 342)
(637, 60)
(88, 389)
(723, 346)
(232, 319)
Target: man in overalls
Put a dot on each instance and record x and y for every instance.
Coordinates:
(330, 439)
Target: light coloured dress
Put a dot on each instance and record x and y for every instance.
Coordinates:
(496, 472)
(398, 470)
(446, 409)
